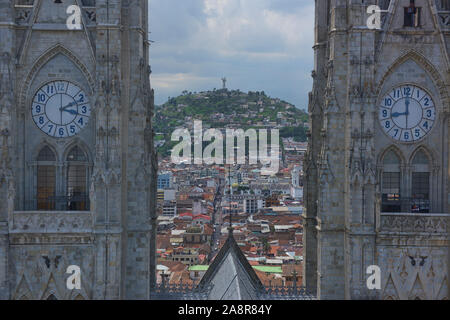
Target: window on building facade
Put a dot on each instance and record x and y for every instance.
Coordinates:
(391, 183)
(88, 3)
(420, 183)
(384, 4)
(412, 15)
(77, 180)
(46, 179)
(445, 5)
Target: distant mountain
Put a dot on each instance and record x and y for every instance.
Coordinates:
(227, 108)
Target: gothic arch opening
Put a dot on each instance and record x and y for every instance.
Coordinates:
(391, 182)
(46, 179)
(420, 182)
(76, 180)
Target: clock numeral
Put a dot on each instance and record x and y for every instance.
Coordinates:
(396, 131)
(84, 109)
(397, 94)
(50, 129)
(417, 133)
(387, 124)
(81, 121)
(407, 91)
(41, 97)
(37, 109)
(388, 102)
(426, 102)
(60, 87)
(50, 89)
(72, 129)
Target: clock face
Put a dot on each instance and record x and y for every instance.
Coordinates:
(407, 113)
(60, 109)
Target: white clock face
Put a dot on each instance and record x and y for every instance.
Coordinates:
(60, 109)
(407, 113)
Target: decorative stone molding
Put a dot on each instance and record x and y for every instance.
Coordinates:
(426, 65)
(51, 222)
(414, 223)
(42, 60)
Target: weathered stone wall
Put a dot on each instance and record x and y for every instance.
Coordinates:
(112, 243)
(347, 145)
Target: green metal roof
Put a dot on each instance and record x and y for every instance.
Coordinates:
(266, 269)
(198, 268)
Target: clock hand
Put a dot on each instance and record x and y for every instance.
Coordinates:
(60, 110)
(407, 106)
(70, 105)
(407, 110)
(398, 114)
(71, 112)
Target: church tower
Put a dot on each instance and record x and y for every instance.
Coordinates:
(377, 168)
(77, 164)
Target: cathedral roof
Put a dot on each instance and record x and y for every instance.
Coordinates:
(231, 276)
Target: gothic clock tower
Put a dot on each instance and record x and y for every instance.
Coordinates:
(377, 168)
(77, 166)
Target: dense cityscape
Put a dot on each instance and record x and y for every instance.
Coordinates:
(197, 204)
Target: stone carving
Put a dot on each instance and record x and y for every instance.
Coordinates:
(91, 15)
(429, 223)
(23, 15)
(414, 273)
(51, 222)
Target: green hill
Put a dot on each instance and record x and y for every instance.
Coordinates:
(219, 108)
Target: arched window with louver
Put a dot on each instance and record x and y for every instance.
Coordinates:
(46, 179)
(77, 177)
(391, 183)
(420, 183)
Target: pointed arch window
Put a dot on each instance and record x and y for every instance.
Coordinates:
(46, 179)
(77, 180)
(420, 183)
(391, 183)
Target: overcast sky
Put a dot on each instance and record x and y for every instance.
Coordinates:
(259, 45)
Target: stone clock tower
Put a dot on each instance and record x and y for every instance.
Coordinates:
(77, 165)
(377, 185)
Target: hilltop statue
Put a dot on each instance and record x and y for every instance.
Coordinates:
(224, 83)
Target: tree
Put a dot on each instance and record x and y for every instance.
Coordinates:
(266, 245)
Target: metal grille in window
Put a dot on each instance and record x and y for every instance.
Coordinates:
(88, 3)
(46, 154)
(46, 181)
(412, 15)
(77, 180)
(76, 154)
(384, 4)
(444, 5)
(420, 185)
(391, 180)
